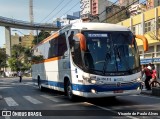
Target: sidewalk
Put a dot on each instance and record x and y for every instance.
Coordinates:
(153, 92)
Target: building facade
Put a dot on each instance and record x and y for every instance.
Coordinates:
(127, 2)
(68, 19)
(25, 40)
(147, 24)
(94, 10)
(152, 4)
(85, 9)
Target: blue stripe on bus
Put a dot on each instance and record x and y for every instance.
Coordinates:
(103, 88)
(87, 88)
(56, 84)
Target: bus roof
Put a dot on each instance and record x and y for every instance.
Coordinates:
(88, 26)
(99, 26)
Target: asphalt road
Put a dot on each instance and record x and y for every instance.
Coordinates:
(25, 97)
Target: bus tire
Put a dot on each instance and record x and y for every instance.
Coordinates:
(39, 84)
(69, 93)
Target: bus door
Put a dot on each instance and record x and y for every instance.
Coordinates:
(64, 62)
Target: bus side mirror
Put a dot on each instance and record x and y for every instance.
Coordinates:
(145, 41)
(82, 40)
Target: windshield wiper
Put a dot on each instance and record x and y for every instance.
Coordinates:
(107, 56)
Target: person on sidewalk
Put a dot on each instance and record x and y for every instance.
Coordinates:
(20, 76)
(148, 72)
(154, 75)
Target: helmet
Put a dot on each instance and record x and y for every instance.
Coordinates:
(149, 67)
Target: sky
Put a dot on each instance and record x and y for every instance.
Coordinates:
(19, 9)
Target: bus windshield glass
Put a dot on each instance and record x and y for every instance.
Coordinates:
(110, 51)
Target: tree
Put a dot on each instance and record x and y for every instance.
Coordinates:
(41, 36)
(19, 59)
(14, 64)
(3, 58)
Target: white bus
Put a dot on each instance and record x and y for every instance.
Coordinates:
(89, 60)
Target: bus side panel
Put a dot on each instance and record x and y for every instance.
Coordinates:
(52, 75)
(38, 70)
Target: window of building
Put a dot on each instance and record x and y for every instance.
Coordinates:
(159, 22)
(137, 29)
(140, 52)
(149, 25)
(158, 50)
(20, 39)
(150, 52)
(134, 29)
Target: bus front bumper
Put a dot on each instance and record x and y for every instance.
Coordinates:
(95, 94)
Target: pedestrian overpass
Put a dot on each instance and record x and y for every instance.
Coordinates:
(9, 23)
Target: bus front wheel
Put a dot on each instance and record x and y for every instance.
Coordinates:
(69, 91)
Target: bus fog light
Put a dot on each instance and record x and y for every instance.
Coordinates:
(93, 81)
(93, 91)
(139, 79)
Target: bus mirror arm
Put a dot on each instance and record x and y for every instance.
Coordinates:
(145, 41)
(82, 40)
(65, 55)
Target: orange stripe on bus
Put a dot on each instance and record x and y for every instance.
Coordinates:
(48, 60)
(47, 39)
(50, 38)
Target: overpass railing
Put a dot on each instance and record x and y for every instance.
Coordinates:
(25, 23)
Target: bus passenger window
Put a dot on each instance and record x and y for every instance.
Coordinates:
(53, 49)
(62, 46)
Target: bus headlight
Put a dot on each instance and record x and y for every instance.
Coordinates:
(90, 79)
(137, 80)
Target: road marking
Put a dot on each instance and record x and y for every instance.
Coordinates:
(32, 100)
(28, 83)
(51, 98)
(10, 101)
(107, 109)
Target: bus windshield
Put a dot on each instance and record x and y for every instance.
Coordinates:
(110, 51)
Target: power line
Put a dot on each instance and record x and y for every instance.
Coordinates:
(109, 6)
(53, 10)
(70, 9)
(122, 10)
(59, 10)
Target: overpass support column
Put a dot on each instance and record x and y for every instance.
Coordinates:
(8, 40)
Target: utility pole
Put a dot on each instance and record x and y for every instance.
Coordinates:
(31, 13)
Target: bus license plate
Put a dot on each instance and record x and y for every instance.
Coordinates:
(118, 91)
